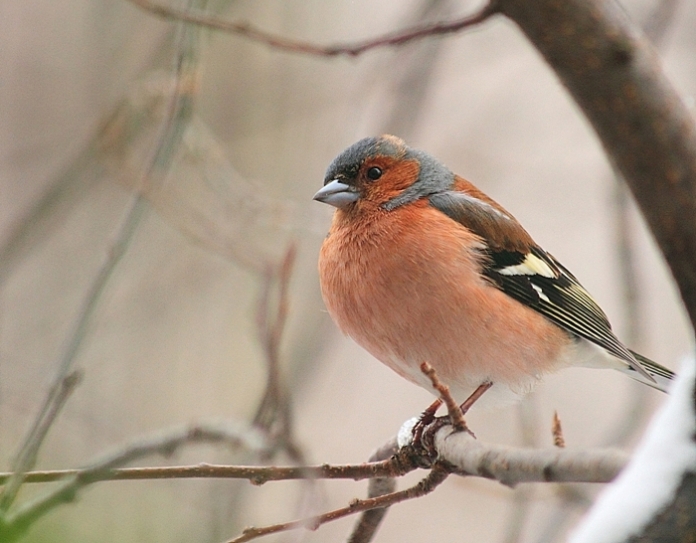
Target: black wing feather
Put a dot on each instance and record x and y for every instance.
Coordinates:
(559, 297)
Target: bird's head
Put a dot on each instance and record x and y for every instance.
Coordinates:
(382, 172)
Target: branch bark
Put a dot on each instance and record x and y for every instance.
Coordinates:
(614, 75)
(513, 465)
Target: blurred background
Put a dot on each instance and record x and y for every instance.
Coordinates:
(153, 175)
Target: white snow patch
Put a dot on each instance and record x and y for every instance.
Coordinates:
(654, 473)
(405, 435)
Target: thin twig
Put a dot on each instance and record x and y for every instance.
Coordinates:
(436, 476)
(257, 475)
(298, 46)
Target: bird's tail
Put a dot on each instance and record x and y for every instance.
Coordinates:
(662, 375)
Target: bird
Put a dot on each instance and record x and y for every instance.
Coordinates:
(419, 265)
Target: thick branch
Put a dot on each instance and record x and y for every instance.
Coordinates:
(614, 75)
(513, 465)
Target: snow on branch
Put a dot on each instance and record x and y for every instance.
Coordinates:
(653, 499)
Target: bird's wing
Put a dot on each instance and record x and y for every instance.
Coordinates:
(524, 271)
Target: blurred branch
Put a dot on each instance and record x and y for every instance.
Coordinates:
(298, 46)
(57, 397)
(411, 73)
(455, 453)
(274, 409)
(523, 495)
(613, 74)
(366, 527)
(16, 522)
(655, 27)
(26, 457)
(179, 108)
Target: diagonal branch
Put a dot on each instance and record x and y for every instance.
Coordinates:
(614, 75)
(436, 476)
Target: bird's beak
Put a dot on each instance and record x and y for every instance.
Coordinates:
(337, 194)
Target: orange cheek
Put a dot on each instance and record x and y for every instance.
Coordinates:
(399, 175)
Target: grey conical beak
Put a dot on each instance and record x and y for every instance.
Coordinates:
(337, 194)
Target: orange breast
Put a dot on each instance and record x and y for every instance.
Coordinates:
(406, 286)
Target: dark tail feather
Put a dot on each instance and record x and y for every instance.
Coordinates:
(662, 375)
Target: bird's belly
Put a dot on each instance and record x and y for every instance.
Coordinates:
(411, 307)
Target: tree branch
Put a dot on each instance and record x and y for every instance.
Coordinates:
(299, 46)
(366, 527)
(513, 465)
(614, 75)
(436, 476)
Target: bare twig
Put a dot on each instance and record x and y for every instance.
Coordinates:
(34, 439)
(257, 475)
(410, 73)
(299, 46)
(436, 476)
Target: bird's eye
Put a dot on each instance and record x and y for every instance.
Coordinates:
(374, 173)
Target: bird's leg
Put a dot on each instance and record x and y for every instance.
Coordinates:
(426, 417)
(475, 395)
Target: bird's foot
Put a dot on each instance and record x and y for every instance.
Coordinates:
(427, 426)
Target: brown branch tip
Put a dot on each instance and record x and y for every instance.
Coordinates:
(557, 431)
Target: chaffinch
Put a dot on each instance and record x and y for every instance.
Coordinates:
(421, 266)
